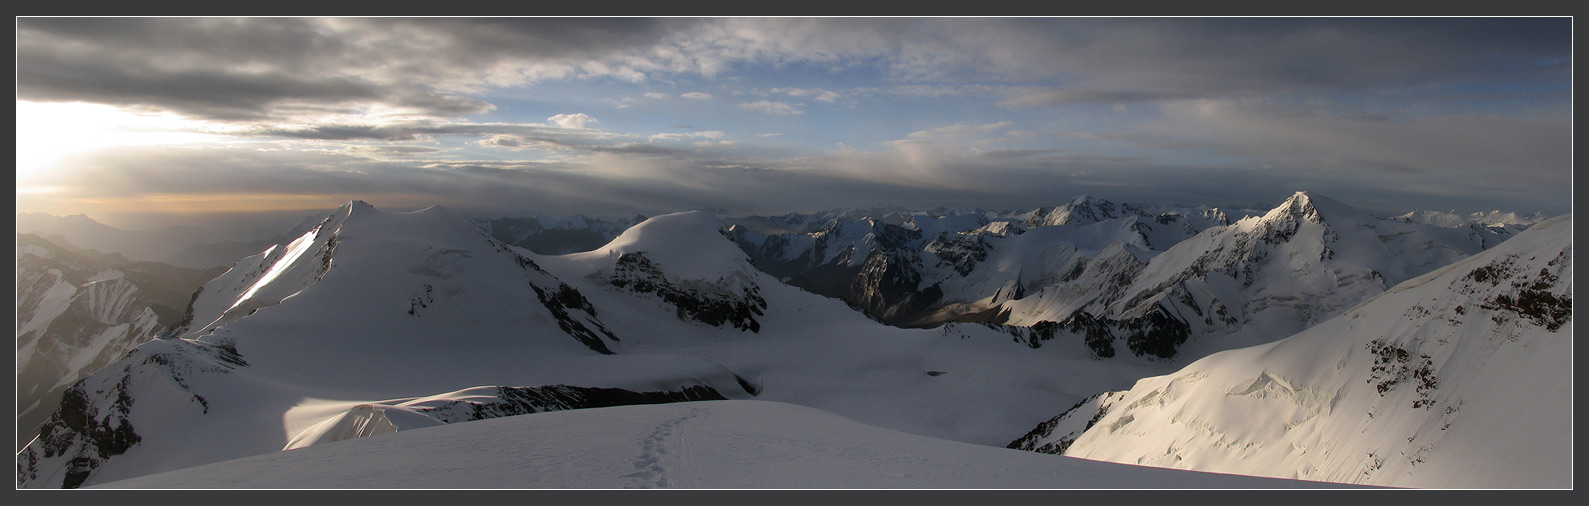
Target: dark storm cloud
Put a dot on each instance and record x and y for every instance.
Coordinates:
(204, 93)
(251, 68)
(261, 68)
(484, 40)
(1172, 59)
(210, 68)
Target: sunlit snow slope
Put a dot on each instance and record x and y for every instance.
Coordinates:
(1460, 378)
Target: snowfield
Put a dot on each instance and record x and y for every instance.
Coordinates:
(383, 349)
(1461, 378)
(711, 444)
(421, 315)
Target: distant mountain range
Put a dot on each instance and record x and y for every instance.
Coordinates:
(1127, 279)
(361, 323)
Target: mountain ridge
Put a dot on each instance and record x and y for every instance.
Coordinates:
(1429, 371)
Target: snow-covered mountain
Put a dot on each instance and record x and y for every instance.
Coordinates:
(1489, 227)
(371, 323)
(77, 312)
(1457, 378)
(727, 444)
(1263, 277)
(374, 322)
(924, 269)
(1125, 279)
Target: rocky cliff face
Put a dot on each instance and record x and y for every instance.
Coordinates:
(711, 305)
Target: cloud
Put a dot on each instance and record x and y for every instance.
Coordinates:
(278, 69)
(709, 134)
(635, 148)
(250, 69)
(574, 121)
(961, 130)
(419, 131)
(656, 95)
(1040, 97)
(346, 132)
(392, 151)
(770, 107)
(1436, 106)
(819, 95)
(1351, 143)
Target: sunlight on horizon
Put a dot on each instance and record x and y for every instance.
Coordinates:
(50, 133)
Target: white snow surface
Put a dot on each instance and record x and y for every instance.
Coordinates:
(418, 308)
(697, 445)
(683, 244)
(1482, 398)
(389, 312)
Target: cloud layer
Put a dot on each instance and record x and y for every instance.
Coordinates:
(794, 113)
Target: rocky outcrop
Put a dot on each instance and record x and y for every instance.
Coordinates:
(97, 418)
(701, 303)
(513, 401)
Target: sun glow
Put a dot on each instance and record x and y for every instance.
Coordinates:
(48, 134)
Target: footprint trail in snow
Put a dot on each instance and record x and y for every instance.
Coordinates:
(650, 471)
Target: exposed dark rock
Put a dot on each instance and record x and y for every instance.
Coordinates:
(638, 274)
(1157, 333)
(960, 252)
(1095, 333)
(1093, 407)
(1533, 299)
(513, 401)
(1393, 365)
(887, 288)
(560, 301)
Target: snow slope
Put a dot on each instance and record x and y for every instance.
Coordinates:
(424, 318)
(374, 322)
(959, 382)
(369, 307)
(722, 444)
(1460, 378)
